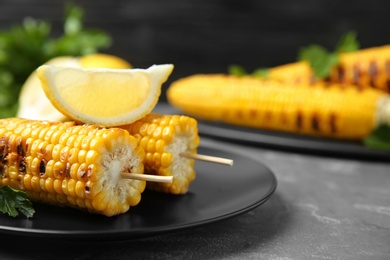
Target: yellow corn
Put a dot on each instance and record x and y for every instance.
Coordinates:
(164, 137)
(293, 73)
(69, 165)
(367, 67)
(320, 110)
(364, 68)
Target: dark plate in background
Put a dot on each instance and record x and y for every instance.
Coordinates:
(219, 192)
(291, 142)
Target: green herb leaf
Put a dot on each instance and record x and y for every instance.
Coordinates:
(240, 71)
(321, 60)
(27, 45)
(237, 70)
(348, 43)
(74, 19)
(261, 73)
(12, 201)
(379, 138)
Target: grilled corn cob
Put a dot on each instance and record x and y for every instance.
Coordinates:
(364, 68)
(64, 164)
(164, 138)
(320, 110)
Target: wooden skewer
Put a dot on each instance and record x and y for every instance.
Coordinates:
(147, 177)
(169, 179)
(207, 158)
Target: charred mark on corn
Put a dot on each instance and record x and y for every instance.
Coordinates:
(373, 69)
(355, 74)
(388, 85)
(2, 170)
(315, 122)
(90, 171)
(81, 172)
(67, 169)
(333, 123)
(19, 147)
(42, 167)
(340, 73)
(22, 166)
(299, 121)
(253, 113)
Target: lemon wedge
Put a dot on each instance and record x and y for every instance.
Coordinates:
(106, 97)
(33, 103)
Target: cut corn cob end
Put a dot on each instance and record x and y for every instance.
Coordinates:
(383, 111)
(164, 138)
(68, 165)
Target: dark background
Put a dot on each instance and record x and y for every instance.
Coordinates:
(203, 36)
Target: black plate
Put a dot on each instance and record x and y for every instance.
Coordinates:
(219, 192)
(283, 141)
(291, 142)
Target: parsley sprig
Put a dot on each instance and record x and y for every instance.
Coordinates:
(322, 60)
(12, 201)
(240, 71)
(25, 46)
(379, 138)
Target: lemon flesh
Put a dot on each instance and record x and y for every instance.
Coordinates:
(106, 97)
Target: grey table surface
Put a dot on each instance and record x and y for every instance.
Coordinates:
(323, 208)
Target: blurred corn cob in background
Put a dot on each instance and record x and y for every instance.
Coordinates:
(328, 110)
(364, 68)
(77, 166)
(164, 138)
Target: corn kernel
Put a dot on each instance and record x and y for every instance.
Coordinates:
(49, 185)
(64, 186)
(167, 134)
(81, 172)
(100, 201)
(59, 170)
(27, 182)
(73, 171)
(79, 140)
(57, 185)
(166, 159)
(73, 155)
(35, 183)
(56, 153)
(80, 189)
(92, 157)
(71, 185)
(151, 146)
(49, 169)
(97, 144)
(82, 156)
